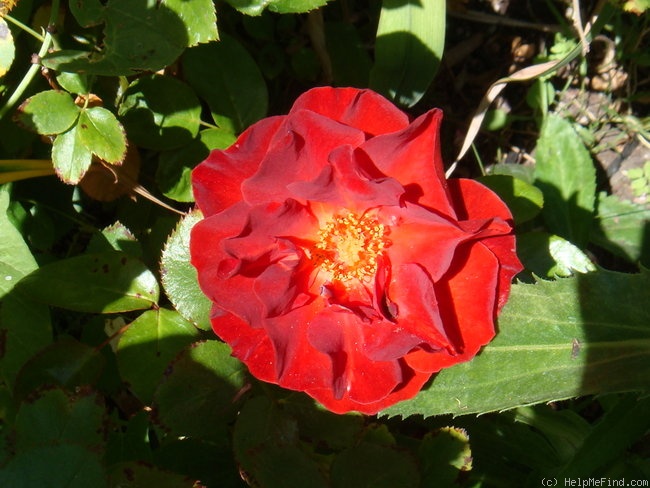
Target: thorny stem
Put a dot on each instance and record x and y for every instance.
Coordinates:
(34, 68)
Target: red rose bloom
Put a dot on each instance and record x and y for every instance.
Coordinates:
(339, 260)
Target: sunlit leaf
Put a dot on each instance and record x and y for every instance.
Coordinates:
(24, 325)
(566, 175)
(7, 49)
(70, 156)
(408, 49)
(160, 112)
(48, 112)
(557, 339)
(100, 283)
(179, 277)
(100, 131)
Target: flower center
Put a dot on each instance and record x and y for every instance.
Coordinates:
(349, 245)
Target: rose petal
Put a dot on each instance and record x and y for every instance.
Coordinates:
(474, 201)
(468, 313)
(337, 332)
(299, 152)
(217, 180)
(362, 109)
(350, 181)
(412, 156)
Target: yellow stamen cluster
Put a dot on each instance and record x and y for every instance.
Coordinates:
(349, 246)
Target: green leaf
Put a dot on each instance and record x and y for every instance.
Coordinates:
(256, 7)
(70, 156)
(155, 338)
(58, 417)
(294, 6)
(66, 363)
(175, 167)
(231, 83)
(567, 177)
(24, 325)
(408, 49)
(551, 256)
(557, 339)
(179, 277)
(102, 134)
(523, 199)
(139, 35)
(115, 237)
(58, 466)
(372, 466)
(7, 48)
(622, 228)
(197, 397)
(48, 112)
(95, 283)
(160, 112)
(199, 18)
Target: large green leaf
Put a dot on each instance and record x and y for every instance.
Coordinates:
(99, 283)
(179, 277)
(566, 175)
(24, 325)
(557, 339)
(138, 475)
(523, 199)
(139, 35)
(408, 49)
(160, 112)
(229, 80)
(622, 228)
(154, 339)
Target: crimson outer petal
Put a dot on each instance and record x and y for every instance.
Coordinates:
(352, 346)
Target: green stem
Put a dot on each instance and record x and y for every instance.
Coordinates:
(34, 68)
(24, 27)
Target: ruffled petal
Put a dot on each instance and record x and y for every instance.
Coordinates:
(299, 152)
(362, 109)
(217, 180)
(467, 298)
(351, 182)
(337, 332)
(412, 156)
(474, 201)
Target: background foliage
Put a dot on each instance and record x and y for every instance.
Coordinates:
(109, 373)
